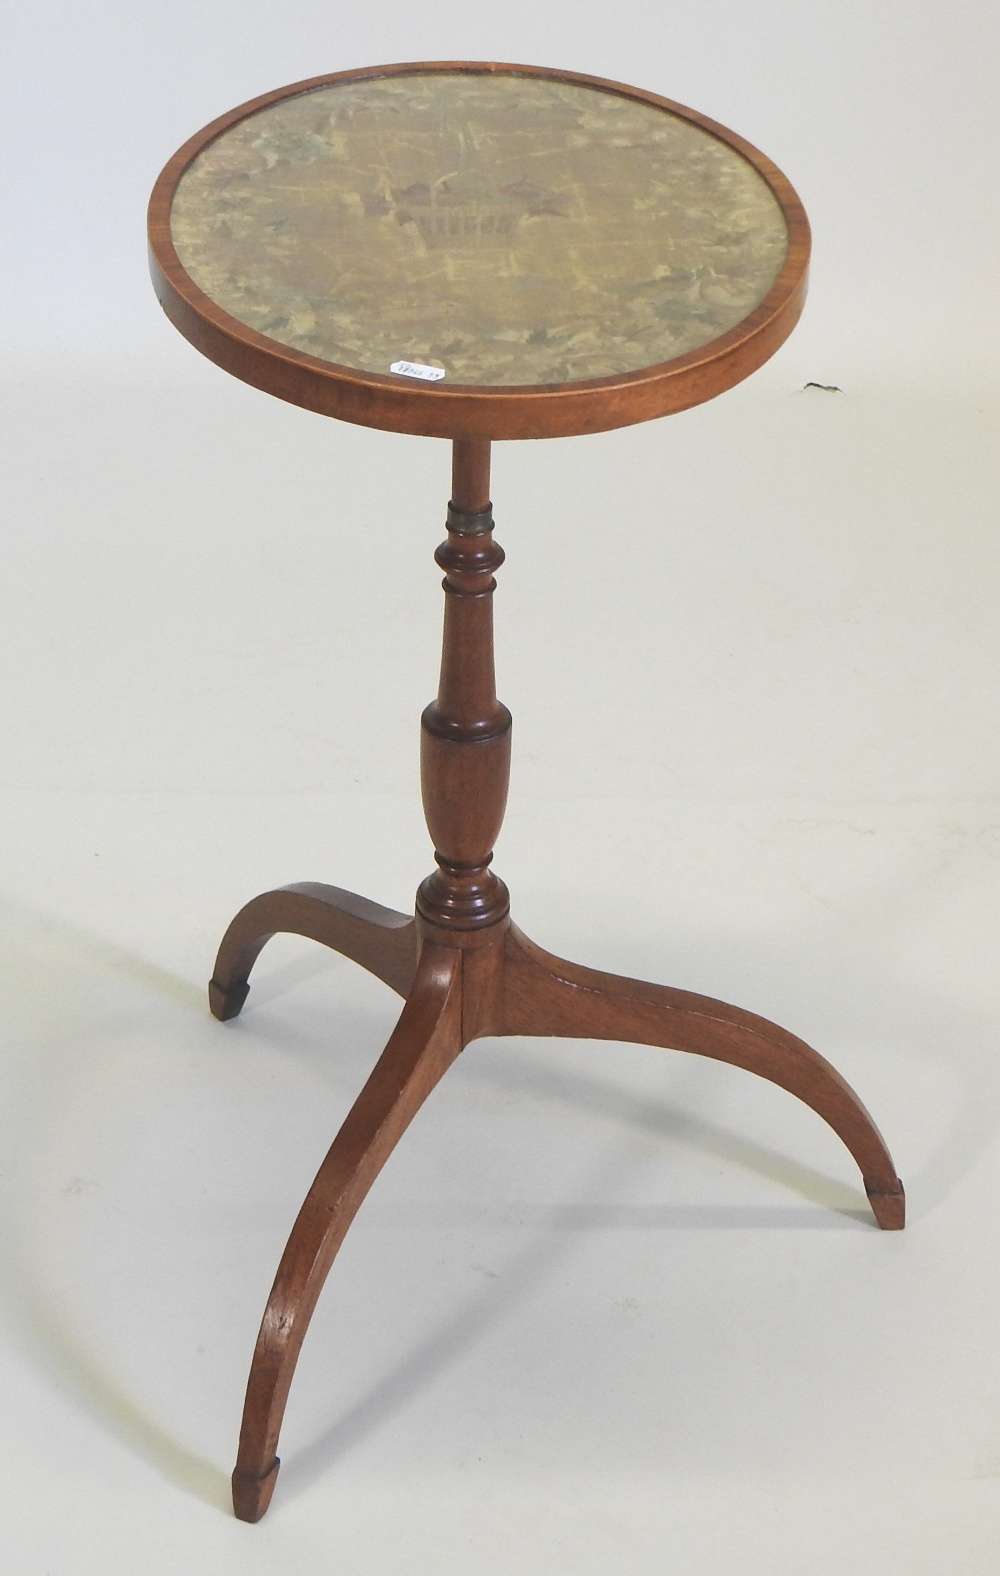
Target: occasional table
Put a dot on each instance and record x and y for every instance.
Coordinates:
(475, 252)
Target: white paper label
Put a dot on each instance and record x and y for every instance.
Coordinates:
(416, 369)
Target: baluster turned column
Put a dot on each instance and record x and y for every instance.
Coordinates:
(465, 733)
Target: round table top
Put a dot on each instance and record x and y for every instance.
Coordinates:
(473, 250)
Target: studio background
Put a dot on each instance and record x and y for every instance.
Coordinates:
(607, 1308)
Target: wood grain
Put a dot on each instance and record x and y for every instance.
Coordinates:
(465, 732)
(545, 995)
(381, 940)
(422, 1047)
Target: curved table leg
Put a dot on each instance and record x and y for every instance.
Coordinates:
(544, 995)
(381, 940)
(426, 1040)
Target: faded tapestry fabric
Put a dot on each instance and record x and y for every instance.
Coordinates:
(506, 230)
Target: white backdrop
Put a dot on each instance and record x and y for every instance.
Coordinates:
(607, 1308)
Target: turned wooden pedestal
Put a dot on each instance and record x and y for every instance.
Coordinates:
(475, 252)
(464, 971)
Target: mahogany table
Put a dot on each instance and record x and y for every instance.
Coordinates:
(475, 252)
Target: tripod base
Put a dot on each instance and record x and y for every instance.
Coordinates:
(458, 986)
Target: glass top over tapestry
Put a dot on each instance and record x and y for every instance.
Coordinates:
(502, 229)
